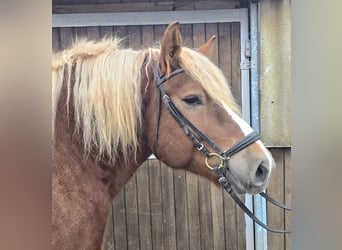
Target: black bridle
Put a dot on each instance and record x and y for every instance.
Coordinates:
(223, 156)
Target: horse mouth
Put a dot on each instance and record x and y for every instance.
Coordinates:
(241, 187)
(237, 186)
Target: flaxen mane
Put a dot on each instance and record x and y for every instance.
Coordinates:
(107, 94)
(107, 91)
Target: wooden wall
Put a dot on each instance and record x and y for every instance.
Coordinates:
(162, 208)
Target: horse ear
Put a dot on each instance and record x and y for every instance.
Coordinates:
(207, 48)
(170, 49)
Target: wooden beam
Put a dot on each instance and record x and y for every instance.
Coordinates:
(147, 18)
(145, 6)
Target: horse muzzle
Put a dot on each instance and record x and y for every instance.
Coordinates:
(254, 181)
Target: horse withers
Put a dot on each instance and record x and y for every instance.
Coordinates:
(113, 107)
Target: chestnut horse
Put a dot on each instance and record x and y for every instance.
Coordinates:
(108, 118)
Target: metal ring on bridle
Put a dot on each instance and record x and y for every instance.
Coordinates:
(214, 155)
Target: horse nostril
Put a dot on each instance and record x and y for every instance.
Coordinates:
(261, 173)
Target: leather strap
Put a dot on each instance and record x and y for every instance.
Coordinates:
(224, 182)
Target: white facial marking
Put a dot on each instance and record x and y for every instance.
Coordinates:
(246, 129)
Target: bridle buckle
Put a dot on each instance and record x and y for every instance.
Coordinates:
(213, 155)
(200, 147)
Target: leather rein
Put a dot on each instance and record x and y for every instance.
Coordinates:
(223, 156)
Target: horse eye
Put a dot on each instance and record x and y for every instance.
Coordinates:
(192, 100)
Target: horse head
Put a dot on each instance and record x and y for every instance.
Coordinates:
(199, 93)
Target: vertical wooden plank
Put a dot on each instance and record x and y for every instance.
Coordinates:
(240, 226)
(147, 36)
(66, 36)
(193, 211)
(218, 217)
(156, 204)
(80, 32)
(198, 34)
(236, 73)
(144, 207)
(204, 194)
(119, 221)
(182, 227)
(121, 31)
(93, 33)
(205, 213)
(106, 31)
(158, 33)
(230, 222)
(132, 220)
(134, 37)
(225, 52)
(169, 217)
(186, 31)
(211, 30)
(55, 39)
(216, 197)
(275, 216)
(288, 181)
(109, 237)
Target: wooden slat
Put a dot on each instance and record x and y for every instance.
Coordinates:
(198, 34)
(55, 39)
(236, 73)
(145, 234)
(132, 220)
(204, 194)
(121, 31)
(158, 33)
(169, 217)
(147, 18)
(106, 31)
(78, 2)
(65, 36)
(240, 226)
(288, 181)
(147, 36)
(230, 221)
(218, 217)
(193, 211)
(211, 30)
(186, 31)
(119, 221)
(93, 33)
(225, 55)
(156, 200)
(109, 236)
(182, 227)
(134, 37)
(80, 32)
(205, 213)
(136, 6)
(275, 216)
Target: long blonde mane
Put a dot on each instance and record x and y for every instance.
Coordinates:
(107, 91)
(106, 94)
